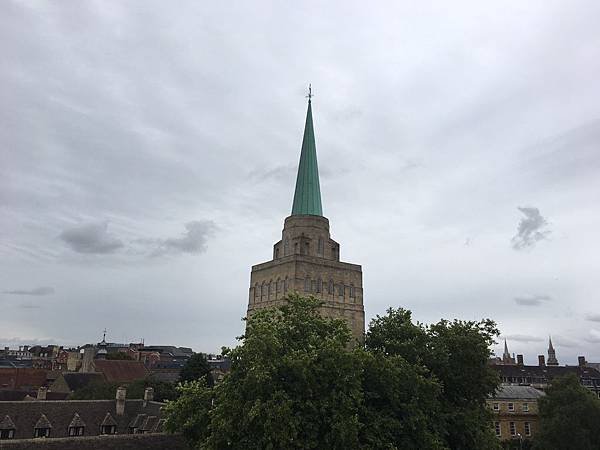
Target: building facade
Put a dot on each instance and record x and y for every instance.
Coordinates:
(307, 259)
(515, 411)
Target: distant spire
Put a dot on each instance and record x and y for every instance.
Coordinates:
(307, 196)
(506, 353)
(552, 361)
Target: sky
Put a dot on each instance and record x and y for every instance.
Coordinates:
(148, 153)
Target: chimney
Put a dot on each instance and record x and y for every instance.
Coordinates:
(120, 397)
(581, 361)
(541, 360)
(41, 393)
(148, 395)
(520, 360)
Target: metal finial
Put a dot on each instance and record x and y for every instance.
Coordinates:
(104, 335)
(310, 94)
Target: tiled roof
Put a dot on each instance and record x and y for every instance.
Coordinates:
(77, 380)
(546, 372)
(517, 392)
(26, 415)
(121, 371)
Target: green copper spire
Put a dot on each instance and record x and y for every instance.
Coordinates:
(307, 197)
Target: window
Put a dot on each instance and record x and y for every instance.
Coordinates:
(341, 290)
(351, 291)
(525, 407)
(313, 286)
(511, 406)
(263, 291)
(527, 429)
(7, 434)
(320, 247)
(496, 406)
(286, 285)
(330, 290)
(307, 285)
(41, 432)
(513, 429)
(108, 429)
(319, 286)
(278, 285)
(498, 429)
(270, 290)
(255, 291)
(76, 431)
(276, 252)
(286, 247)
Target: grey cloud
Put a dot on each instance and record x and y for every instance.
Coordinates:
(43, 290)
(593, 337)
(530, 230)
(91, 238)
(192, 241)
(593, 317)
(523, 338)
(532, 300)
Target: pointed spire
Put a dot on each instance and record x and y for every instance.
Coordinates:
(552, 361)
(307, 196)
(506, 354)
(550, 347)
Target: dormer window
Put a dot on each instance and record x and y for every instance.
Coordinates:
(42, 427)
(7, 428)
(108, 425)
(77, 426)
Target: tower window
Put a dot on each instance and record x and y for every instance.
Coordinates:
(307, 284)
(286, 285)
(276, 252)
(286, 247)
(319, 286)
(320, 247)
(278, 285)
(341, 290)
(263, 291)
(270, 290)
(351, 291)
(330, 288)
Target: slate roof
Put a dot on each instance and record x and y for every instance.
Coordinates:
(545, 373)
(18, 395)
(15, 378)
(77, 380)
(60, 414)
(514, 392)
(121, 371)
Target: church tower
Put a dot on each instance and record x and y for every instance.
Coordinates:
(307, 259)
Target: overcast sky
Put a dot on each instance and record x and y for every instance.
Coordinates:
(148, 153)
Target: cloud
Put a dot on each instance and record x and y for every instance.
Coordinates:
(523, 338)
(530, 229)
(592, 317)
(532, 300)
(91, 238)
(593, 337)
(192, 241)
(43, 290)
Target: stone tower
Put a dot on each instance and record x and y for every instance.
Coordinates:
(306, 259)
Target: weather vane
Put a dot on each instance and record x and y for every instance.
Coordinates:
(310, 94)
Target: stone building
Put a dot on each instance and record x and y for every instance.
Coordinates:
(515, 410)
(307, 259)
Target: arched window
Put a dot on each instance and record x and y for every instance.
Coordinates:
(278, 285)
(320, 247)
(263, 290)
(276, 252)
(319, 286)
(351, 291)
(330, 290)
(341, 290)
(295, 248)
(306, 248)
(313, 286)
(270, 290)
(286, 284)
(255, 290)
(307, 284)
(286, 247)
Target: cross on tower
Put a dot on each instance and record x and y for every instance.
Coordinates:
(310, 94)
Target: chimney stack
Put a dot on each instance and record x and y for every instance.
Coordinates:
(41, 393)
(120, 397)
(148, 395)
(520, 360)
(581, 361)
(541, 360)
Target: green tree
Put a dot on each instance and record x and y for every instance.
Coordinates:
(294, 383)
(569, 417)
(196, 368)
(96, 390)
(455, 354)
(163, 391)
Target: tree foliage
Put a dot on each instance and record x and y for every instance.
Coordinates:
(196, 368)
(119, 356)
(297, 381)
(569, 417)
(102, 390)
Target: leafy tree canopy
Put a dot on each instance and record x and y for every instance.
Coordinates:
(297, 381)
(196, 368)
(120, 356)
(569, 417)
